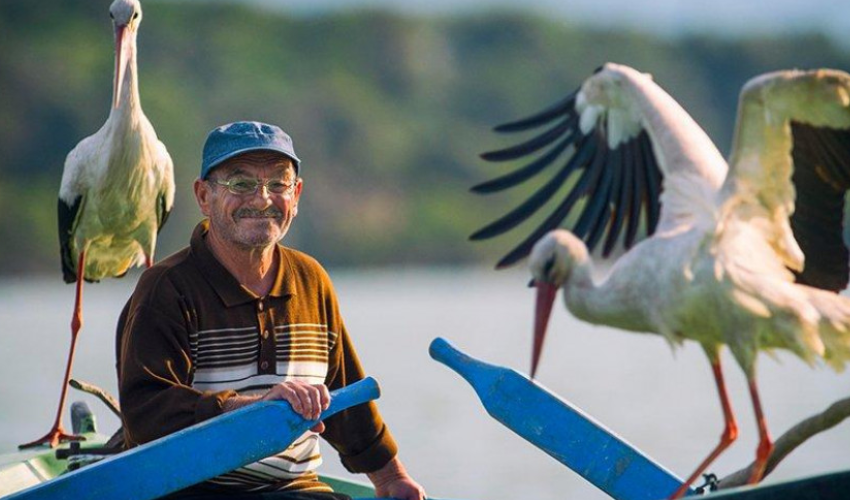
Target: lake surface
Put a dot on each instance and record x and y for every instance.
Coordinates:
(663, 402)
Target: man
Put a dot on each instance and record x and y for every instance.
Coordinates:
(237, 318)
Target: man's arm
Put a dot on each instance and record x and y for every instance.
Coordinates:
(307, 400)
(155, 371)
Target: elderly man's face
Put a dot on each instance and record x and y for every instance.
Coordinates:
(251, 220)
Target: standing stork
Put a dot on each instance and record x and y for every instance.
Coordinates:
(117, 191)
(748, 254)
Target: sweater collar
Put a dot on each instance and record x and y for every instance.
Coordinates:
(225, 285)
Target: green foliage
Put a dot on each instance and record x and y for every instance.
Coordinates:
(388, 112)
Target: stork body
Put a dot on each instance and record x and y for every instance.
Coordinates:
(747, 255)
(117, 191)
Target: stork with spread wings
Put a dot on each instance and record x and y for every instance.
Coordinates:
(748, 254)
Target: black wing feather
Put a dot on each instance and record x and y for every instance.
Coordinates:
(821, 178)
(532, 145)
(619, 184)
(653, 184)
(523, 174)
(606, 192)
(162, 212)
(562, 107)
(586, 150)
(560, 213)
(598, 194)
(67, 217)
(639, 193)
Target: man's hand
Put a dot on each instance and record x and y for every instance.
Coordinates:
(307, 400)
(392, 481)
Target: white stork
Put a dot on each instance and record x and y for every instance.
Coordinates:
(748, 254)
(117, 191)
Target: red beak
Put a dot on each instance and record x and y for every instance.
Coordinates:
(545, 297)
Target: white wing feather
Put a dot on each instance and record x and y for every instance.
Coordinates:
(759, 184)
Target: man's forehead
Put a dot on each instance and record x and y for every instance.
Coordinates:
(253, 162)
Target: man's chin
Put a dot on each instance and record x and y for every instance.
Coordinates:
(259, 240)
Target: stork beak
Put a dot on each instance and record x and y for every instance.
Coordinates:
(545, 297)
(121, 59)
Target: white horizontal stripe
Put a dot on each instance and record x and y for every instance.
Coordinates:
(293, 325)
(230, 374)
(289, 340)
(242, 475)
(300, 350)
(308, 436)
(240, 329)
(297, 333)
(240, 351)
(230, 339)
(206, 343)
(229, 481)
(296, 369)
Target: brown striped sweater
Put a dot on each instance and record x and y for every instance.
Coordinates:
(191, 336)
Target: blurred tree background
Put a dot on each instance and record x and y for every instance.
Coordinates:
(387, 111)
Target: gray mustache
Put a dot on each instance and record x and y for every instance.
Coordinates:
(251, 212)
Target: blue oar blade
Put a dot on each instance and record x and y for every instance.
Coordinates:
(195, 454)
(560, 429)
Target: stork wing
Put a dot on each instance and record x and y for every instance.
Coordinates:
(68, 216)
(71, 203)
(165, 199)
(607, 145)
(791, 156)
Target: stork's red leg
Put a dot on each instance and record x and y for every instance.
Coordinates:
(57, 434)
(730, 432)
(765, 443)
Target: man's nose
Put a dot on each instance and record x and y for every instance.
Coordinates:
(261, 197)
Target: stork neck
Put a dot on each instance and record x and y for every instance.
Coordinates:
(592, 301)
(580, 291)
(617, 301)
(127, 90)
(678, 138)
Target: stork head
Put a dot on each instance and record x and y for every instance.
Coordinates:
(126, 13)
(126, 16)
(552, 262)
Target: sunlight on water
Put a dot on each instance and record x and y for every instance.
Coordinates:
(663, 403)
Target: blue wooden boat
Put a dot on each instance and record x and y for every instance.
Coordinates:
(546, 421)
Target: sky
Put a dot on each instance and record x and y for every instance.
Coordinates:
(669, 17)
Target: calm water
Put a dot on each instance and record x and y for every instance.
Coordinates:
(663, 402)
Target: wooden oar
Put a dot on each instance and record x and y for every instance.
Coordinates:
(560, 429)
(195, 454)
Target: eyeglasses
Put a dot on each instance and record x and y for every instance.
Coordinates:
(241, 186)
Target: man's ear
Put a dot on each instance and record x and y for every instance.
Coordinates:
(299, 184)
(203, 193)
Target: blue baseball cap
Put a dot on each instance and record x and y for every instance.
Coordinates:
(236, 138)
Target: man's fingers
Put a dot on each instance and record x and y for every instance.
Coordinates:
(307, 400)
(325, 396)
(304, 398)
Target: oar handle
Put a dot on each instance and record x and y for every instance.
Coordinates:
(466, 366)
(357, 393)
(442, 351)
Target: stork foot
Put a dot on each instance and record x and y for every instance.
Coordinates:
(52, 439)
(762, 454)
